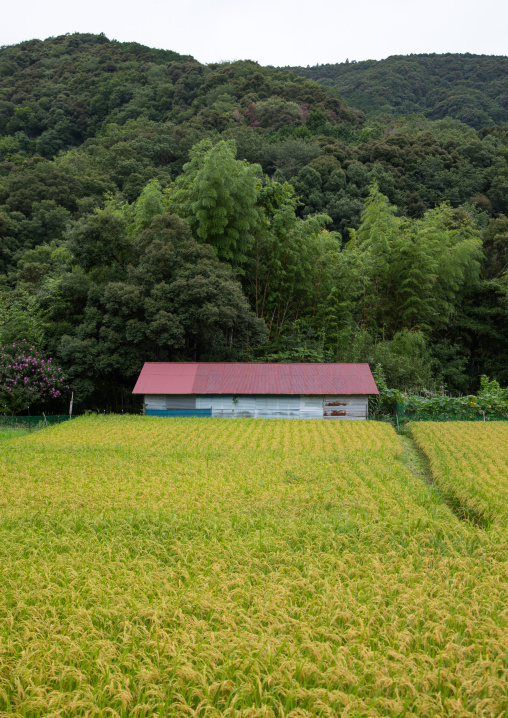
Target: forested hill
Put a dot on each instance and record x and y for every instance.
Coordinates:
(153, 208)
(469, 88)
(58, 92)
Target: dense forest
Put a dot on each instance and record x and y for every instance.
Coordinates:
(154, 208)
(469, 88)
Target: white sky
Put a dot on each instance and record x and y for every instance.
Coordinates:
(273, 32)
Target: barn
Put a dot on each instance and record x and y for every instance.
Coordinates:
(282, 391)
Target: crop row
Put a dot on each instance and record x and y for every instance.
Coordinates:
(196, 436)
(469, 462)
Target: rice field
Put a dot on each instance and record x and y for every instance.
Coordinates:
(470, 463)
(190, 567)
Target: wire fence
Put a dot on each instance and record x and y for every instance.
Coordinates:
(400, 421)
(32, 422)
(453, 417)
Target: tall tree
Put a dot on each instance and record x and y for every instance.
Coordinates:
(217, 194)
(416, 269)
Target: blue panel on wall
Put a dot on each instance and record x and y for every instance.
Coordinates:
(178, 412)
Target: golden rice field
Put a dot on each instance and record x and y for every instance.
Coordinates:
(469, 461)
(190, 567)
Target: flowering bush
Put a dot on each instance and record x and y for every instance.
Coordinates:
(27, 377)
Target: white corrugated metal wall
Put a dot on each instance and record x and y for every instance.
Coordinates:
(267, 406)
(346, 407)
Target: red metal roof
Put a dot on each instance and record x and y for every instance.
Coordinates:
(236, 378)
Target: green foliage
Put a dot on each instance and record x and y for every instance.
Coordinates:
(414, 269)
(385, 403)
(405, 360)
(150, 203)
(159, 295)
(217, 195)
(466, 87)
(114, 82)
(495, 241)
(491, 401)
(20, 318)
(100, 240)
(304, 230)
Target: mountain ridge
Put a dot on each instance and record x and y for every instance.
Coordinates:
(470, 88)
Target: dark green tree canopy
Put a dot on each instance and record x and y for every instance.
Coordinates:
(470, 88)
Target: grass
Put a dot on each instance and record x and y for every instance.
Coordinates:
(12, 432)
(173, 567)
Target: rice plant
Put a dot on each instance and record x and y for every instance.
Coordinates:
(190, 567)
(469, 461)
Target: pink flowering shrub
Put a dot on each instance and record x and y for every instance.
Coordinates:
(27, 377)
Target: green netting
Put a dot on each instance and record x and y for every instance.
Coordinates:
(452, 417)
(404, 413)
(402, 420)
(32, 421)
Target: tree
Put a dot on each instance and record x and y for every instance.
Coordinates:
(495, 241)
(27, 378)
(172, 300)
(217, 195)
(20, 318)
(100, 240)
(416, 269)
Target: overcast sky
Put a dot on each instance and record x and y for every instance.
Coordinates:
(273, 32)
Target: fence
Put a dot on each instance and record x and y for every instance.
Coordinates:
(452, 417)
(462, 413)
(32, 422)
(399, 422)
